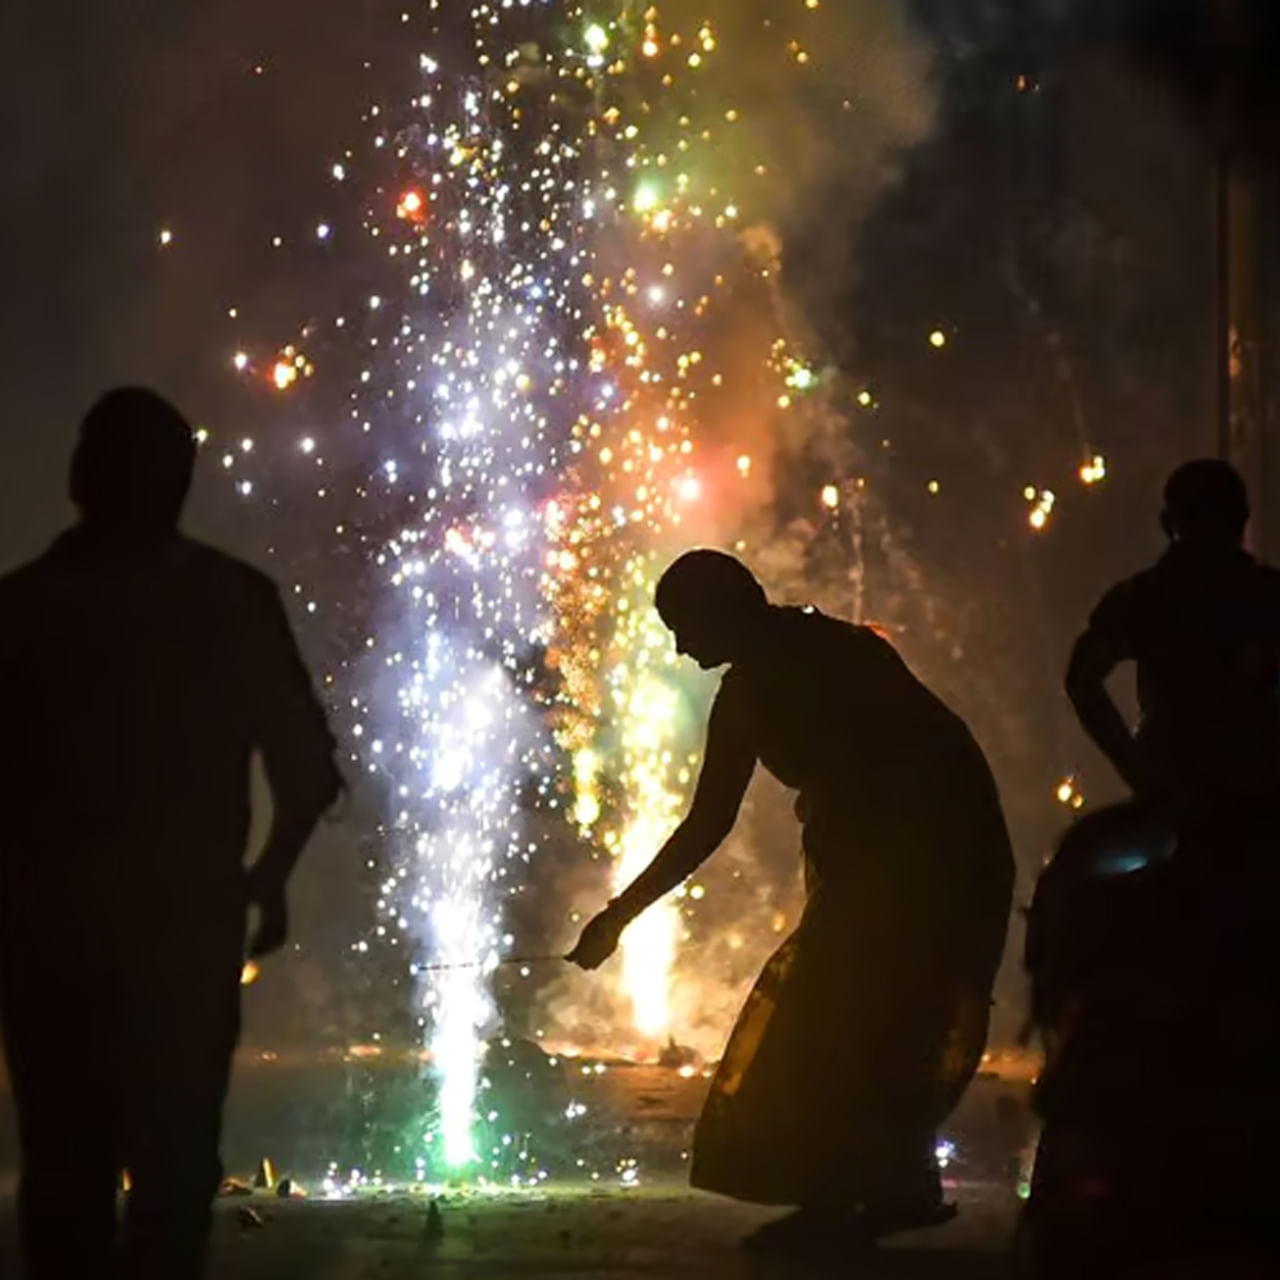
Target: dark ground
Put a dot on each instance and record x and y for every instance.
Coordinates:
(655, 1232)
(294, 1110)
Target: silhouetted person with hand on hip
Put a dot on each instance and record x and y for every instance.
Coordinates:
(866, 1027)
(1152, 931)
(1203, 627)
(142, 672)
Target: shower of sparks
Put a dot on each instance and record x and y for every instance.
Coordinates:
(552, 230)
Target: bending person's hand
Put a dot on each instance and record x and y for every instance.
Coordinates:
(599, 940)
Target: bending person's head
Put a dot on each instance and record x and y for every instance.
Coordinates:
(1206, 504)
(710, 601)
(133, 463)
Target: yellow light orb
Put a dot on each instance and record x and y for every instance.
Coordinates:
(410, 206)
(646, 198)
(830, 497)
(938, 339)
(1094, 471)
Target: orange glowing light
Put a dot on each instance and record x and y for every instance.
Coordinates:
(411, 206)
(251, 972)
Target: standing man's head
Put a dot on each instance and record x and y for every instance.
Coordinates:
(1206, 504)
(710, 602)
(133, 464)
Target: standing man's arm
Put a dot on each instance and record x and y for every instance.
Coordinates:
(1105, 644)
(298, 755)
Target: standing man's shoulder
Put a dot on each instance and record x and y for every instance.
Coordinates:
(236, 580)
(1120, 610)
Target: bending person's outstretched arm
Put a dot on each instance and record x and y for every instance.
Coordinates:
(729, 761)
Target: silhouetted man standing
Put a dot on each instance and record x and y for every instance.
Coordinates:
(141, 672)
(1203, 627)
(1152, 931)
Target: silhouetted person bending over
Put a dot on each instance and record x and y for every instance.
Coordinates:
(1203, 627)
(142, 671)
(868, 1024)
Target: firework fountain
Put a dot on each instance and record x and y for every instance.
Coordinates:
(574, 359)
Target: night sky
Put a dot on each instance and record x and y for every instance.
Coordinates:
(1059, 226)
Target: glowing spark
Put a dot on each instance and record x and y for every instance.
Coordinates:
(1042, 504)
(647, 198)
(938, 339)
(165, 237)
(586, 770)
(1094, 471)
(830, 497)
(1069, 794)
(411, 206)
(801, 377)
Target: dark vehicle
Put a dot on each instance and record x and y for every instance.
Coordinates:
(1152, 968)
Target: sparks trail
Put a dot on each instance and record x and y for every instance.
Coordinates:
(508, 963)
(509, 437)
